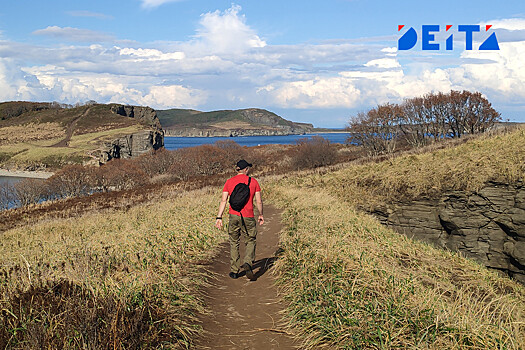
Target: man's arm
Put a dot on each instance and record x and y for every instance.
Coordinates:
(259, 203)
(222, 206)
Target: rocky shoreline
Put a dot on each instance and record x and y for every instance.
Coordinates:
(195, 132)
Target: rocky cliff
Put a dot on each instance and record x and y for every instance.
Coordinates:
(135, 144)
(131, 145)
(145, 115)
(488, 225)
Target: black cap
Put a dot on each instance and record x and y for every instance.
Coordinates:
(241, 164)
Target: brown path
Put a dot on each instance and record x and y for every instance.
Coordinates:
(245, 314)
(70, 130)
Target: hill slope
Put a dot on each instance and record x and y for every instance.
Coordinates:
(354, 283)
(253, 121)
(47, 135)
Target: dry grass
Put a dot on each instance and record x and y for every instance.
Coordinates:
(144, 258)
(38, 151)
(30, 132)
(88, 140)
(468, 166)
(351, 284)
(27, 136)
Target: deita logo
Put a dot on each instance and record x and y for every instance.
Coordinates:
(409, 39)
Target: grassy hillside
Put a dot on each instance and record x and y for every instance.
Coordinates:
(122, 278)
(426, 173)
(191, 118)
(31, 133)
(351, 283)
(128, 278)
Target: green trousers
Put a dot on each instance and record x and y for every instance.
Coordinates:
(235, 228)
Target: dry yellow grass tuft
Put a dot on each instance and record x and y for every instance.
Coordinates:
(467, 167)
(30, 132)
(353, 284)
(148, 252)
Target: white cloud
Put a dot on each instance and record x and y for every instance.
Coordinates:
(109, 88)
(151, 54)
(503, 75)
(383, 63)
(74, 34)
(315, 93)
(227, 32)
(227, 64)
(508, 23)
(174, 96)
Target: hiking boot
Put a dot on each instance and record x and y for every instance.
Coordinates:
(234, 275)
(249, 272)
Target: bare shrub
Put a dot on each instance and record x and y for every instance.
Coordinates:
(201, 160)
(6, 195)
(72, 180)
(313, 153)
(415, 125)
(156, 162)
(120, 174)
(29, 191)
(232, 150)
(421, 120)
(377, 130)
(63, 315)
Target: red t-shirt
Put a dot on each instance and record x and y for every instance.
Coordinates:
(230, 184)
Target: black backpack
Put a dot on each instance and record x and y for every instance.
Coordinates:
(240, 195)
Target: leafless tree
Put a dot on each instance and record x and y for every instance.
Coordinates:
(423, 119)
(378, 129)
(6, 195)
(29, 191)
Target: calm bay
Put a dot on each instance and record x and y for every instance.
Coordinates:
(172, 143)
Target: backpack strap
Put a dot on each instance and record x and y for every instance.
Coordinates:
(242, 219)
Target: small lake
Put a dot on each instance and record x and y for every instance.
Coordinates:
(172, 142)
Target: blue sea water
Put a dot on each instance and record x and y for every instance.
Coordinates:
(10, 180)
(172, 143)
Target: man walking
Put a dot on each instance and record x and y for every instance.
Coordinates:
(243, 220)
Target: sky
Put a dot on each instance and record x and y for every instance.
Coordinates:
(318, 62)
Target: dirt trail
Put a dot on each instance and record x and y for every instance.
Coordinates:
(70, 130)
(246, 314)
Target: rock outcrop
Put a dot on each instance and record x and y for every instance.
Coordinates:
(488, 225)
(145, 115)
(135, 144)
(131, 145)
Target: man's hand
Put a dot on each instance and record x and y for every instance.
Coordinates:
(218, 224)
(261, 220)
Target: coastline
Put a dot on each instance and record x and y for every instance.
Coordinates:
(28, 174)
(328, 132)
